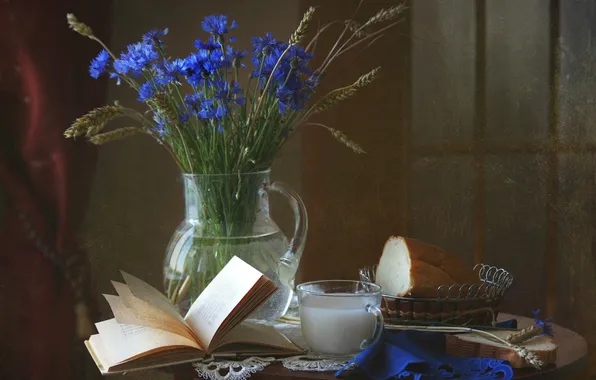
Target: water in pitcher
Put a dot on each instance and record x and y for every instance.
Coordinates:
(262, 251)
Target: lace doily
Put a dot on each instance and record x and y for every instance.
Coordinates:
(315, 363)
(238, 369)
(230, 369)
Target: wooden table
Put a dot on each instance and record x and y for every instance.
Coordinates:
(571, 361)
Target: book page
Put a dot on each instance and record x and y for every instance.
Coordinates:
(99, 354)
(165, 358)
(122, 342)
(149, 318)
(256, 335)
(262, 291)
(235, 281)
(151, 315)
(152, 296)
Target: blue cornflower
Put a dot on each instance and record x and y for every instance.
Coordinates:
(263, 44)
(264, 65)
(175, 67)
(160, 125)
(217, 25)
(210, 45)
(152, 36)
(227, 92)
(217, 60)
(201, 66)
(293, 95)
(547, 329)
(272, 53)
(237, 56)
(221, 111)
(193, 102)
(136, 59)
(146, 91)
(289, 99)
(206, 111)
(170, 72)
(299, 58)
(294, 61)
(312, 82)
(99, 64)
(117, 77)
(183, 117)
(285, 98)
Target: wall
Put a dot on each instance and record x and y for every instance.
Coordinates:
(354, 201)
(137, 198)
(481, 140)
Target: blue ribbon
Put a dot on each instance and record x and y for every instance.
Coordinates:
(417, 355)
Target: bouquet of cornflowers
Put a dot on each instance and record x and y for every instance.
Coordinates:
(213, 127)
(196, 107)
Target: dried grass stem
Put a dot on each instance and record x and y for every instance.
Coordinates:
(115, 135)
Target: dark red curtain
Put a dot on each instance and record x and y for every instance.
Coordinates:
(45, 302)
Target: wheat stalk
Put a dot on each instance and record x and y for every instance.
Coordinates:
(115, 135)
(300, 32)
(355, 28)
(527, 355)
(79, 27)
(93, 121)
(385, 15)
(341, 137)
(343, 93)
(160, 101)
(524, 334)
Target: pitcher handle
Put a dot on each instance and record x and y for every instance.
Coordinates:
(294, 252)
(378, 327)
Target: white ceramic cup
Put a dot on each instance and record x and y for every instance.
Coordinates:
(340, 317)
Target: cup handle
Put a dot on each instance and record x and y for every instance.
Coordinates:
(378, 327)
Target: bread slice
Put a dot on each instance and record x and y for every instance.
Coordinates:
(409, 267)
(472, 345)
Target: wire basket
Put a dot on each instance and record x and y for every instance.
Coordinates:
(456, 304)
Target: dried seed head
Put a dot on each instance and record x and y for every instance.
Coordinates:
(300, 32)
(386, 15)
(524, 334)
(340, 94)
(355, 28)
(529, 356)
(160, 100)
(94, 121)
(78, 26)
(343, 138)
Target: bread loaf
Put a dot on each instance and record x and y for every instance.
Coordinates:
(409, 267)
(472, 345)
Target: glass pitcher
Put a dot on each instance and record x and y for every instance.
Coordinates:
(228, 215)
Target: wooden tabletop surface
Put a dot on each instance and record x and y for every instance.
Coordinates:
(571, 361)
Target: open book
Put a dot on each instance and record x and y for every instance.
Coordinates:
(148, 332)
